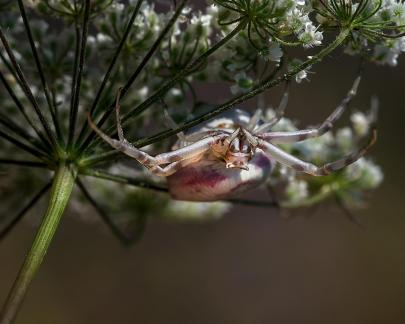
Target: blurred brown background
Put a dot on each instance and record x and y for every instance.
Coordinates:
(253, 266)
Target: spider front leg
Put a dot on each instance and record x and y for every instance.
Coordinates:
(172, 167)
(299, 165)
(173, 159)
(297, 136)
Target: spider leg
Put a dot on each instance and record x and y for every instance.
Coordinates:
(149, 161)
(123, 145)
(190, 151)
(297, 136)
(279, 113)
(191, 138)
(299, 165)
(254, 119)
(173, 167)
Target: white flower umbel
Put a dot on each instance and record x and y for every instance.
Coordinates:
(310, 37)
(361, 123)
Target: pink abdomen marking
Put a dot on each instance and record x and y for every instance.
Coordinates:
(211, 180)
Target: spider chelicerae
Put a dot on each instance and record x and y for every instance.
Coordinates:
(232, 153)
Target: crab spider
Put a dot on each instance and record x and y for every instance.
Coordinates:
(232, 153)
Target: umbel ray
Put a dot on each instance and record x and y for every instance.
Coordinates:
(233, 153)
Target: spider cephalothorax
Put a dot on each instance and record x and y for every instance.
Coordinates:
(232, 153)
(235, 150)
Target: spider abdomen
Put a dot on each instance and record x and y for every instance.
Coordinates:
(209, 180)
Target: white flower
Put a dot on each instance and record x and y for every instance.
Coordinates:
(344, 139)
(103, 38)
(316, 149)
(196, 211)
(310, 36)
(297, 190)
(273, 53)
(388, 52)
(301, 75)
(202, 23)
(175, 92)
(366, 174)
(186, 10)
(212, 10)
(143, 92)
(361, 123)
(118, 6)
(296, 20)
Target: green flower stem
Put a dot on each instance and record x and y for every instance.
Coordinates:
(61, 190)
(50, 138)
(266, 84)
(38, 154)
(111, 66)
(39, 68)
(78, 73)
(20, 134)
(137, 182)
(18, 103)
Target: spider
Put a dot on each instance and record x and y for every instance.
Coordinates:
(231, 154)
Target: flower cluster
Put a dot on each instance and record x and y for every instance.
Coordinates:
(378, 25)
(167, 51)
(66, 63)
(348, 185)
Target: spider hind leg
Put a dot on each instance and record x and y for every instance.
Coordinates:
(174, 160)
(302, 166)
(301, 135)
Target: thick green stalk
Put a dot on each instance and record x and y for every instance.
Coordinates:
(61, 190)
